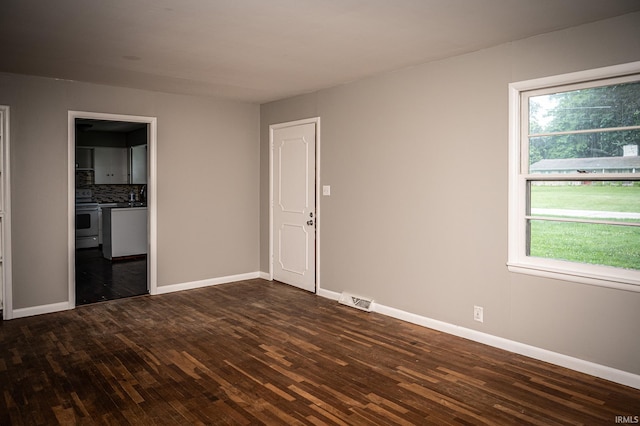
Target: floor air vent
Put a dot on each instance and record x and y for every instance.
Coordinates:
(357, 302)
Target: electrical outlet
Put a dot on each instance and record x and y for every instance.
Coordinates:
(478, 314)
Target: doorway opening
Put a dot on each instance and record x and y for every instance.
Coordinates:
(112, 249)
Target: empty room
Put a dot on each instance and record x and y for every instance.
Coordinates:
(330, 212)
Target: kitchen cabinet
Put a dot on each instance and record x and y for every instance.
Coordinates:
(84, 158)
(124, 232)
(110, 166)
(138, 164)
(100, 209)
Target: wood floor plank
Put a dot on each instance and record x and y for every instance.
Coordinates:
(259, 352)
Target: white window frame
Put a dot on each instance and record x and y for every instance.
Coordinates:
(518, 261)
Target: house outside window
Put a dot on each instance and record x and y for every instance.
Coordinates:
(574, 177)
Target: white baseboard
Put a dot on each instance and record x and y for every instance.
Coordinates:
(587, 367)
(63, 306)
(162, 289)
(328, 294)
(265, 276)
(39, 310)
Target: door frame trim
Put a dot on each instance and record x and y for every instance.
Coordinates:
(5, 239)
(152, 212)
(318, 218)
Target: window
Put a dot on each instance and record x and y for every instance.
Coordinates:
(574, 179)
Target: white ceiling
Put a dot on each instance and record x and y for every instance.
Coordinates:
(264, 50)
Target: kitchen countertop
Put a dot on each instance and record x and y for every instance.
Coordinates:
(135, 205)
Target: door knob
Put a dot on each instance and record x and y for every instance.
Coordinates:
(310, 222)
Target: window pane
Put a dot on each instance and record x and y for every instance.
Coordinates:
(597, 244)
(615, 201)
(616, 105)
(598, 152)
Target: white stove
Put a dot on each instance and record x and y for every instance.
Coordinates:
(84, 196)
(87, 230)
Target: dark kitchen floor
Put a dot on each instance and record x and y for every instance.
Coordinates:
(99, 279)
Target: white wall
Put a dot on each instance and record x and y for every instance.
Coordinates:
(208, 182)
(417, 217)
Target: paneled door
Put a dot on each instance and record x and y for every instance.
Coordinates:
(294, 205)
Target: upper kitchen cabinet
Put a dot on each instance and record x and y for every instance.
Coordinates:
(138, 164)
(115, 150)
(111, 166)
(84, 158)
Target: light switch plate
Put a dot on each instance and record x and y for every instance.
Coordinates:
(326, 190)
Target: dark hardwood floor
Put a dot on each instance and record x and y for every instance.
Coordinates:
(257, 352)
(99, 279)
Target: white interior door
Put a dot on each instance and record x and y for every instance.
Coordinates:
(294, 205)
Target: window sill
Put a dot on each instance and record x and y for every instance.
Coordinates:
(619, 283)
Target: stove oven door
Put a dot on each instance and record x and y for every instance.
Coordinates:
(86, 227)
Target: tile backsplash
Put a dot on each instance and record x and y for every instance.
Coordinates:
(106, 193)
(84, 178)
